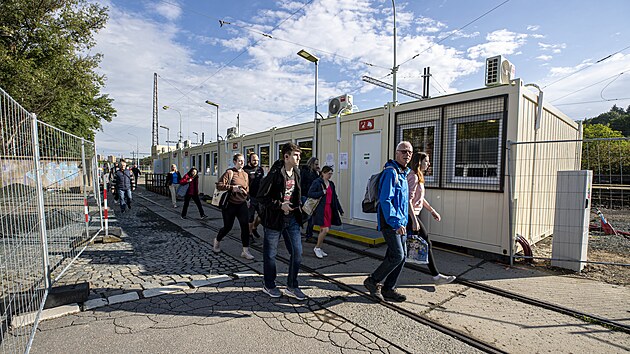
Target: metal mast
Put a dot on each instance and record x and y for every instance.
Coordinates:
(156, 124)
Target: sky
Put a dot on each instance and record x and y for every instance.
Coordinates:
(577, 51)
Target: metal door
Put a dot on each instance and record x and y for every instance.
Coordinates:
(366, 161)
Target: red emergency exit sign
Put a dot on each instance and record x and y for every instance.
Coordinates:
(366, 124)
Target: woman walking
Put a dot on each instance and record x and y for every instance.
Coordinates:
(328, 212)
(308, 174)
(172, 181)
(236, 181)
(419, 165)
(192, 179)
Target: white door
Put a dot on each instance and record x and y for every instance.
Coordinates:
(366, 161)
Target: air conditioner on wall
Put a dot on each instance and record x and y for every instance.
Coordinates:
(337, 104)
(232, 132)
(499, 71)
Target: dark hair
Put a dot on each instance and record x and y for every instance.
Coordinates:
(236, 156)
(190, 171)
(249, 157)
(289, 148)
(326, 169)
(416, 161)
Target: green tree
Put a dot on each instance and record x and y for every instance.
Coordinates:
(609, 159)
(46, 64)
(617, 118)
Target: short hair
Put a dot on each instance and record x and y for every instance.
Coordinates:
(249, 158)
(402, 143)
(289, 148)
(123, 160)
(236, 156)
(326, 169)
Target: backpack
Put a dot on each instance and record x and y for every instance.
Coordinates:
(370, 200)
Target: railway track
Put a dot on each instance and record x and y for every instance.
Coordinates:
(472, 341)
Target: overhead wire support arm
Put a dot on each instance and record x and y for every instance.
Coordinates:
(390, 87)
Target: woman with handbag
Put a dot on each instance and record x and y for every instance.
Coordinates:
(415, 179)
(308, 174)
(236, 181)
(328, 211)
(192, 180)
(172, 181)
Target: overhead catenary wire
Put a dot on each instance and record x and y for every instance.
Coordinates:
(586, 67)
(589, 86)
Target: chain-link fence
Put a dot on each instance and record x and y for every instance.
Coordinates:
(542, 203)
(49, 211)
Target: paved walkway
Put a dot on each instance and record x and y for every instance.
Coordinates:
(229, 313)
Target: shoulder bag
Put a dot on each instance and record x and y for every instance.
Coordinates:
(220, 198)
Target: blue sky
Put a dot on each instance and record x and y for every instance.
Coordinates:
(263, 80)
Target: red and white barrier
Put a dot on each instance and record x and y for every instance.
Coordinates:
(85, 210)
(105, 209)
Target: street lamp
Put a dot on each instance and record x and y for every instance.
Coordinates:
(395, 67)
(180, 120)
(197, 134)
(168, 144)
(218, 155)
(137, 151)
(313, 59)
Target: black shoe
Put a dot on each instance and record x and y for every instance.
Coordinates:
(255, 233)
(122, 210)
(129, 206)
(374, 288)
(183, 217)
(204, 216)
(393, 295)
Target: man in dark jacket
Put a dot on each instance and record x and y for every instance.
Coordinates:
(308, 174)
(255, 174)
(279, 198)
(123, 183)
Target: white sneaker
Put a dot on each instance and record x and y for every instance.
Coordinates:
(443, 279)
(318, 252)
(216, 246)
(245, 254)
(323, 253)
(174, 205)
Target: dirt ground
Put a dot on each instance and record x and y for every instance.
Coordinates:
(601, 248)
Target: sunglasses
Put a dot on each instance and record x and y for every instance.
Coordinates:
(407, 152)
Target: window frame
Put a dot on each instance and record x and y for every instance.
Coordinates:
(467, 182)
(303, 160)
(260, 147)
(215, 165)
(434, 179)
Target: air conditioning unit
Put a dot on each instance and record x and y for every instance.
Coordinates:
(338, 104)
(232, 132)
(499, 71)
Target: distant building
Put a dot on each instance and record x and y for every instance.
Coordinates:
(111, 158)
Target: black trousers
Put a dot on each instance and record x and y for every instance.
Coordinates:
(231, 212)
(187, 199)
(423, 233)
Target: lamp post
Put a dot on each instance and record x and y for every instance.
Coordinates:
(168, 144)
(313, 59)
(137, 151)
(180, 121)
(395, 67)
(196, 134)
(218, 154)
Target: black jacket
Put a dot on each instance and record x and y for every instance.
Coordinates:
(271, 196)
(308, 176)
(256, 175)
(317, 191)
(169, 178)
(124, 180)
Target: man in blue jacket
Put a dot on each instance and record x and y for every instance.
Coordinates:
(393, 211)
(123, 183)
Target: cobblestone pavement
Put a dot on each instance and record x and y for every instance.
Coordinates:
(233, 316)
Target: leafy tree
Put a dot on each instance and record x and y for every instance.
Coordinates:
(46, 64)
(609, 159)
(617, 118)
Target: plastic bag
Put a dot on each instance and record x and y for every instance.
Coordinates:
(417, 250)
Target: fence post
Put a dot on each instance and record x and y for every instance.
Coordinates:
(40, 204)
(85, 196)
(510, 176)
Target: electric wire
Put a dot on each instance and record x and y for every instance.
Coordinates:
(601, 93)
(586, 67)
(586, 87)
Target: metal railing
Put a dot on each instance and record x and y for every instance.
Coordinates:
(156, 182)
(50, 210)
(533, 187)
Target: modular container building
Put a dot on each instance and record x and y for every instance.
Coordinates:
(467, 137)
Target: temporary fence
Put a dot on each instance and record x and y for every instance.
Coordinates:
(535, 188)
(50, 209)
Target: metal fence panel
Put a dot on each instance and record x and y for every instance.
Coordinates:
(49, 211)
(533, 170)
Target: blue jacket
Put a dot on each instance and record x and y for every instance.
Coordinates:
(317, 191)
(393, 196)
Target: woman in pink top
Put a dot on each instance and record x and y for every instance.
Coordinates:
(419, 165)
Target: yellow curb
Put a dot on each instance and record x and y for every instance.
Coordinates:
(359, 238)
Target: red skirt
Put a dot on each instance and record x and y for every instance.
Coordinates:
(328, 209)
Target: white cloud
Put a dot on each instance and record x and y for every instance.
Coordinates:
(429, 25)
(554, 48)
(533, 28)
(544, 57)
(170, 10)
(498, 42)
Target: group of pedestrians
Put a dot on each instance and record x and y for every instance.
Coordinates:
(276, 201)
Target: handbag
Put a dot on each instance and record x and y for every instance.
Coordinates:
(310, 205)
(417, 250)
(220, 198)
(182, 189)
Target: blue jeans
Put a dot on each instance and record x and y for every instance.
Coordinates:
(394, 260)
(122, 195)
(292, 240)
